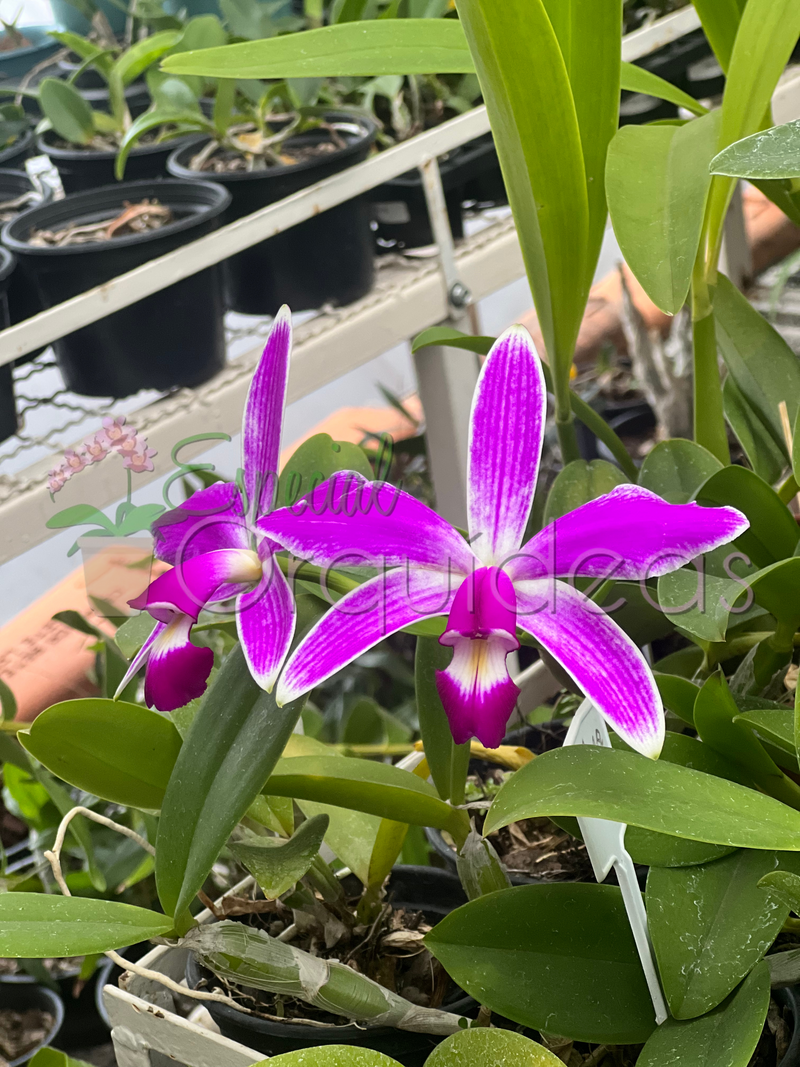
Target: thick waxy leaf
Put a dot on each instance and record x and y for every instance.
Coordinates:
(663, 850)
(657, 181)
(70, 115)
(79, 828)
(715, 718)
(349, 49)
(725, 1037)
(136, 59)
(626, 787)
(676, 470)
(777, 588)
(445, 335)
(699, 598)
(276, 864)
(121, 752)
(41, 925)
(523, 952)
(772, 153)
(377, 788)
(578, 483)
(447, 761)
(773, 533)
(678, 694)
(228, 753)
(727, 923)
(775, 727)
(765, 456)
(638, 80)
(188, 120)
(314, 462)
(759, 360)
(784, 886)
(720, 19)
(491, 1048)
(330, 1056)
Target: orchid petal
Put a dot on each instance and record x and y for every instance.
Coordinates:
(360, 620)
(505, 444)
(141, 657)
(350, 521)
(629, 533)
(177, 670)
(263, 416)
(476, 690)
(188, 588)
(209, 520)
(265, 619)
(602, 659)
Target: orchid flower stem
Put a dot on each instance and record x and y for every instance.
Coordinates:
(565, 420)
(709, 419)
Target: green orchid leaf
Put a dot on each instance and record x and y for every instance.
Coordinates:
(784, 886)
(701, 597)
(348, 49)
(523, 953)
(133, 633)
(8, 703)
(141, 55)
(43, 926)
(491, 1048)
(445, 335)
(676, 470)
(330, 1056)
(758, 359)
(657, 182)
(314, 462)
(123, 753)
(772, 153)
(578, 483)
(678, 694)
(638, 80)
(376, 788)
(228, 753)
(277, 864)
(188, 120)
(68, 113)
(448, 761)
(78, 827)
(766, 457)
(657, 795)
(720, 20)
(727, 923)
(773, 725)
(100, 58)
(725, 1037)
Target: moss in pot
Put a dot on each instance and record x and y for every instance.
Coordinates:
(174, 337)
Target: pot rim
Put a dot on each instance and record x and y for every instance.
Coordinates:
(55, 1006)
(75, 154)
(369, 132)
(45, 41)
(122, 190)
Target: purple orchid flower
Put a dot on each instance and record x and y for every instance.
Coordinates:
(217, 553)
(490, 585)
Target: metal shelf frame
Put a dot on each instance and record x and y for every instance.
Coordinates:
(408, 299)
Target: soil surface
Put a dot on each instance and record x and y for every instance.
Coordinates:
(224, 161)
(389, 950)
(21, 1031)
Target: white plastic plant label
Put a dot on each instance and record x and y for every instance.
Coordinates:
(605, 843)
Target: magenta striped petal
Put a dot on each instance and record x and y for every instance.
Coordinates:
(263, 416)
(177, 671)
(265, 619)
(360, 620)
(187, 589)
(628, 533)
(209, 520)
(602, 659)
(348, 521)
(506, 429)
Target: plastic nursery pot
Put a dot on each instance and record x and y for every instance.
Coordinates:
(174, 337)
(789, 998)
(23, 298)
(327, 259)
(17, 62)
(16, 153)
(469, 172)
(68, 17)
(8, 407)
(27, 996)
(435, 893)
(83, 1025)
(625, 417)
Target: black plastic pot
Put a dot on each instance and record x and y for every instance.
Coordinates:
(82, 1025)
(174, 337)
(470, 172)
(21, 996)
(16, 154)
(8, 407)
(790, 998)
(325, 260)
(625, 417)
(635, 109)
(23, 298)
(83, 168)
(434, 892)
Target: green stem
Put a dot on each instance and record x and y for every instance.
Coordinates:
(709, 419)
(789, 489)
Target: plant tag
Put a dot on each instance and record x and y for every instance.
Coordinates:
(605, 843)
